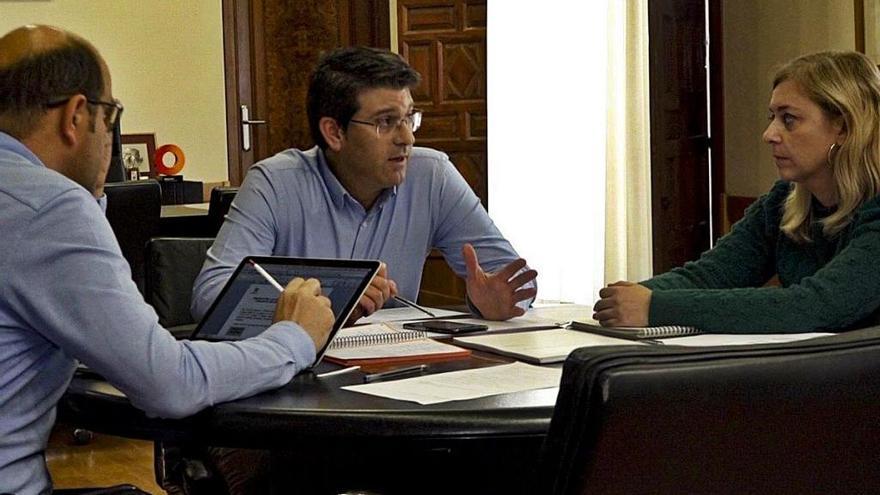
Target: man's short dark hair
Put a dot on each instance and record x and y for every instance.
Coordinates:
(342, 74)
(27, 85)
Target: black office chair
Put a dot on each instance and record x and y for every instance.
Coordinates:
(221, 200)
(786, 418)
(172, 265)
(133, 210)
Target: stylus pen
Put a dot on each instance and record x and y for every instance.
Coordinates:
(338, 372)
(266, 275)
(395, 373)
(413, 305)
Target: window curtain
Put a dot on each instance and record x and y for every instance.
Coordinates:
(628, 247)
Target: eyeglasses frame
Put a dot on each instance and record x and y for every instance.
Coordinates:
(411, 117)
(114, 105)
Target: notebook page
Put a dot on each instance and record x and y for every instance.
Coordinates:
(406, 314)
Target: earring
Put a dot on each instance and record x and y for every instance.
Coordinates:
(831, 151)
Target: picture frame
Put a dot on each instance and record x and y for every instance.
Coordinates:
(142, 149)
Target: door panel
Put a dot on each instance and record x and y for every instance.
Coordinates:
(445, 40)
(679, 132)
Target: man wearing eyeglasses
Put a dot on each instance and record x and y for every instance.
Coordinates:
(66, 292)
(365, 192)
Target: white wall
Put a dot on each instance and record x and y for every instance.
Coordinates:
(166, 63)
(759, 36)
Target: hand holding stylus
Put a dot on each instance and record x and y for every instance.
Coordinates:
(302, 303)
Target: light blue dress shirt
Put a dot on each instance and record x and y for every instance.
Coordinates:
(291, 204)
(66, 294)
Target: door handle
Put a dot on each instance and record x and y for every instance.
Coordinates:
(246, 124)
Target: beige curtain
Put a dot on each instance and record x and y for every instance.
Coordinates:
(628, 249)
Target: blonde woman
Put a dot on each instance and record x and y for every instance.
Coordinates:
(818, 228)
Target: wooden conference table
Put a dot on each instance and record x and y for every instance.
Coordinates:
(500, 433)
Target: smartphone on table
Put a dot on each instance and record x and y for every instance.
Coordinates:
(445, 326)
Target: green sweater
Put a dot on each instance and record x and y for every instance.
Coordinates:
(826, 285)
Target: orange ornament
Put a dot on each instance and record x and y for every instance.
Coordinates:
(179, 159)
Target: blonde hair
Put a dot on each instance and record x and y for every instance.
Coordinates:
(845, 85)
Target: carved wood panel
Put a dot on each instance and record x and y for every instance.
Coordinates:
(445, 40)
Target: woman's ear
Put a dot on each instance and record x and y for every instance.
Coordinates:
(333, 134)
(74, 119)
(841, 131)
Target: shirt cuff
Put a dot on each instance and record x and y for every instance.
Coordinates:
(293, 337)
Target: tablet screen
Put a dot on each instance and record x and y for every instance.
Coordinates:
(246, 306)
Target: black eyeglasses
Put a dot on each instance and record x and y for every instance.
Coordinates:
(385, 125)
(111, 115)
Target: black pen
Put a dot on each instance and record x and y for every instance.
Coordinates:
(414, 305)
(395, 373)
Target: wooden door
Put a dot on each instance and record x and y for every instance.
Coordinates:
(679, 132)
(445, 41)
(271, 47)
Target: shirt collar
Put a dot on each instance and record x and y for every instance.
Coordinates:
(9, 143)
(337, 191)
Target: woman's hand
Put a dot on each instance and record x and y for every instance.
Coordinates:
(623, 304)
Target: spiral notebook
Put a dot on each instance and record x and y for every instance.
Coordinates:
(658, 332)
(383, 344)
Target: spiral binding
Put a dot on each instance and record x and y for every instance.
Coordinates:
(377, 339)
(668, 331)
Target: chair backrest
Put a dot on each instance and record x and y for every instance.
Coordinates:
(172, 266)
(221, 200)
(133, 210)
(787, 418)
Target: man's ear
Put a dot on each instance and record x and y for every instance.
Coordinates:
(74, 119)
(332, 132)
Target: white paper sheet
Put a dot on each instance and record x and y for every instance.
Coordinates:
(519, 323)
(562, 313)
(466, 384)
(406, 314)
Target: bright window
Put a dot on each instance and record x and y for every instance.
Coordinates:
(547, 139)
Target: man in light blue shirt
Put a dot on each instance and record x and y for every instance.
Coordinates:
(347, 197)
(66, 292)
